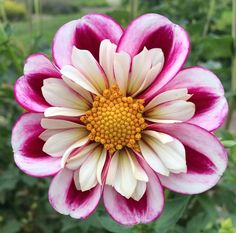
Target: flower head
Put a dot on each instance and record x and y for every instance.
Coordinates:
(115, 116)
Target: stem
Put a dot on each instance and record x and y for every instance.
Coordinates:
(37, 8)
(134, 8)
(232, 104)
(29, 18)
(209, 16)
(3, 12)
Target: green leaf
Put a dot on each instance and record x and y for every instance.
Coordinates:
(228, 143)
(112, 226)
(12, 226)
(9, 179)
(197, 223)
(174, 209)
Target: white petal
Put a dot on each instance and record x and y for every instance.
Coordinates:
(46, 134)
(75, 161)
(100, 166)
(76, 180)
(58, 94)
(111, 174)
(157, 56)
(87, 172)
(139, 190)
(77, 77)
(84, 61)
(162, 137)
(176, 94)
(60, 111)
(106, 59)
(121, 69)
(152, 159)
(179, 110)
(172, 154)
(77, 144)
(80, 90)
(138, 171)
(157, 62)
(57, 144)
(58, 124)
(140, 66)
(128, 180)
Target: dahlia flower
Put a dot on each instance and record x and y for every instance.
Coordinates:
(115, 116)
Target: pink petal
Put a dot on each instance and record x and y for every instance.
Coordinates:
(85, 33)
(156, 31)
(205, 156)
(66, 199)
(208, 96)
(27, 88)
(27, 147)
(130, 212)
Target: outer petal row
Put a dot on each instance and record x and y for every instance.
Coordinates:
(27, 147)
(156, 31)
(27, 88)
(207, 95)
(66, 199)
(85, 33)
(205, 156)
(130, 212)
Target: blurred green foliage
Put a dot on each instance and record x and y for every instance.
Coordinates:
(23, 200)
(15, 10)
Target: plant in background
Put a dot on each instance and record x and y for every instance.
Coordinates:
(115, 116)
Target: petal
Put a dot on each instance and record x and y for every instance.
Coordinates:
(205, 156)
(207, 95)
(111, 174)
(58, 124)
(145, 68)
(127, 179)
(122, 64)
(156, 31)
(58, 94)
(87, 172)
(84, 61)
(39, 64)
(79, 156)
(78, 144)
(166, 96)
(46, 134)
(60, 111)
(131, 212)
(139, 190)
(27, 147)
(106, 59)
(152, 159)
(27, 88)
(78, 78)
(57, 144)
(100, 166)
(66, 199)
(171, 153)
(138, 171)
(141, 64)
(85, 33)
(177, 110)
(86, 95)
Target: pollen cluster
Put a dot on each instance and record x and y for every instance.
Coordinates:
(115, 121)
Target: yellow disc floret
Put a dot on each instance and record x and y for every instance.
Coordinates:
(115, 121)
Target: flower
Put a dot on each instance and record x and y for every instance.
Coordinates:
(115, 116)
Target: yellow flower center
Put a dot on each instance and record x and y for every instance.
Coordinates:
(115, 120)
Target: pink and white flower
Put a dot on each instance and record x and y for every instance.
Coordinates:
(116, 116)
